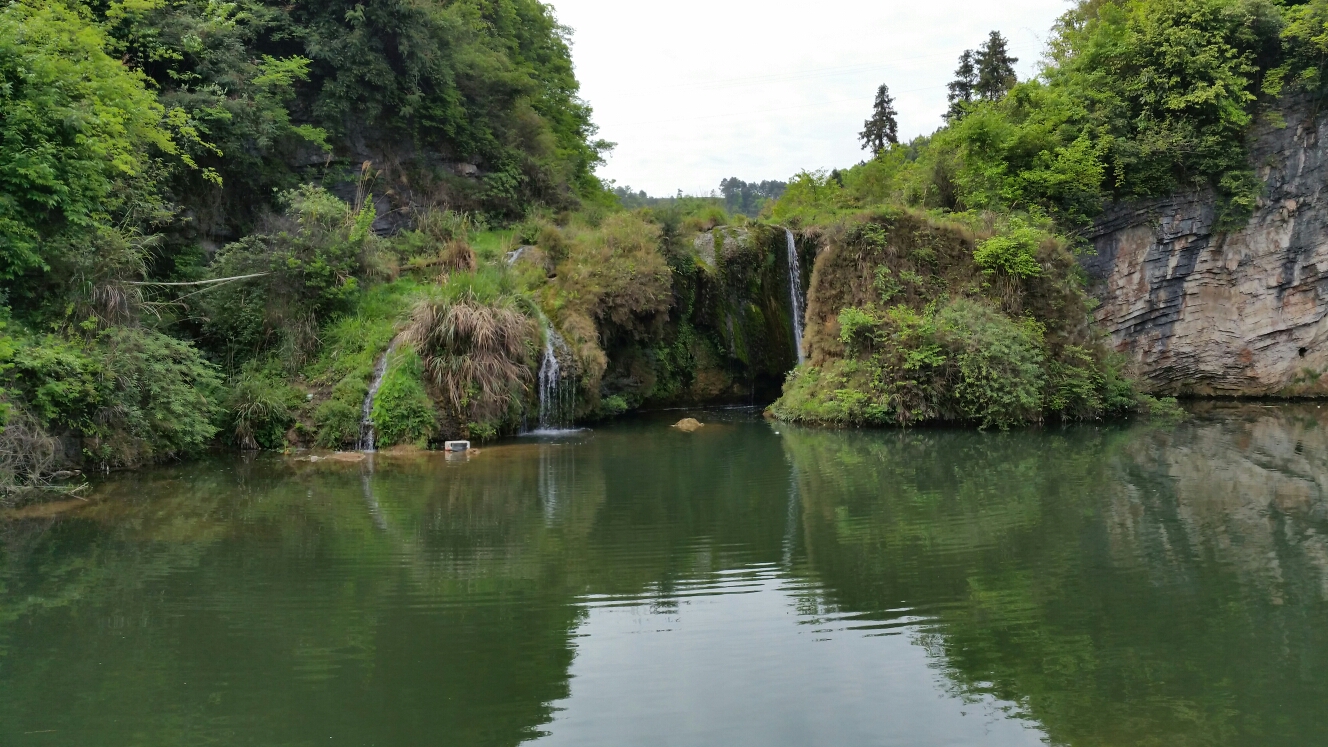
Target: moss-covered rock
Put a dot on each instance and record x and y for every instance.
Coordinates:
(729, 338)
(403, 413)
(910, 320)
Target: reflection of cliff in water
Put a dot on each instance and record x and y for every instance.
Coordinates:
(1122, 586)
(1244, 484)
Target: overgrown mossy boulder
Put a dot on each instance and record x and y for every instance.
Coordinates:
(729, 337)
(914, 319)
(746, 299)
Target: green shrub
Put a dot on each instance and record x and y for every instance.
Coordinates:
(402, 410)
(7, 348)
(1162, 409)
(307, 264)
(337, 420)
(338, 424)
(857, 328)
(613, 406)
(485, 431)
(132, 395)
(1013, 253)
(260, 409)
(1000, 364)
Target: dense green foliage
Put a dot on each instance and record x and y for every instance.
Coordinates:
(402, 411)
(232, 210)
(170, 273)
(79, 144)
(133, 395)
(273, 87)
(1138, 98)
(309, 262)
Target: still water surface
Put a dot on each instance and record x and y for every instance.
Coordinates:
(748, 584)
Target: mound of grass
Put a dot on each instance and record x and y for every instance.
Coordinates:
(912, 319)
(402, 411)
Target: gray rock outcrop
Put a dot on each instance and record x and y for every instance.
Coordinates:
(1204, 312)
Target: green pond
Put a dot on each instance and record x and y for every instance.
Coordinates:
(747, 584)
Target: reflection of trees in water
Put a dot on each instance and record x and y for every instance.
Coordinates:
(322, 611)
(427, 600)
(1121, 586)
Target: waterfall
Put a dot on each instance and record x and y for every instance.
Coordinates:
(366, 442)
(795, 292)
(557, 395)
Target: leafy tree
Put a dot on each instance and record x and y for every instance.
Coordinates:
(307, 265)
(1305, 45)
(79, 137)
(995, 68)
(213, 63)
(882, 128)
(489, 81)
(1166, 90)
(964, 85)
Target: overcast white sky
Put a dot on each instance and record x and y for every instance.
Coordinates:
(694, 91)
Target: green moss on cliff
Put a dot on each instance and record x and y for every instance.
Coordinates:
(402, 411)
(916, 319)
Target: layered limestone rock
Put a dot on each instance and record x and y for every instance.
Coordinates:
(1239, 313)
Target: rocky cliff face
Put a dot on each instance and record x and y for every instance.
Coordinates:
(1239, 313)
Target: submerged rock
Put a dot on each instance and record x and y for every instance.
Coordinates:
(689, 425)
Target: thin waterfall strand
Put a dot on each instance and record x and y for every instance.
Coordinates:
(366, 442)
(557, 396)
(795, 293)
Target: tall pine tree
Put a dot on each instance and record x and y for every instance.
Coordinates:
(963, 86)
(995, 68)
(882, 128)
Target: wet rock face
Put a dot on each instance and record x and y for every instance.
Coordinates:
(1238, 313)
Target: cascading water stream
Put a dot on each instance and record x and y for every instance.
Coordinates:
(366, 442)
(557, 396)
(795, 292)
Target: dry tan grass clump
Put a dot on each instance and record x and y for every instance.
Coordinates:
(477, 354)
(457, 256)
